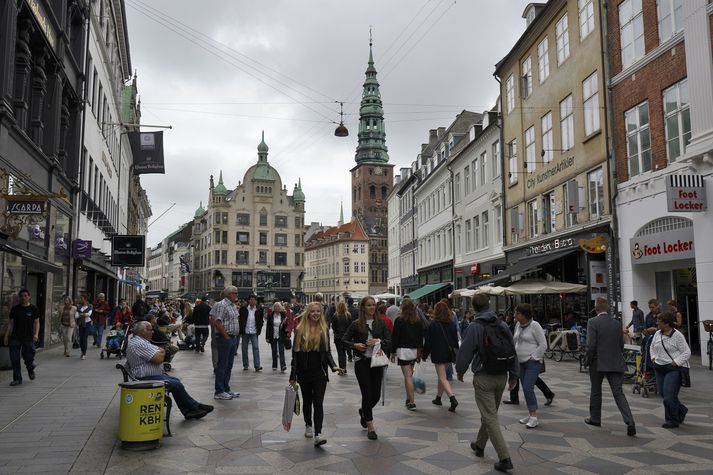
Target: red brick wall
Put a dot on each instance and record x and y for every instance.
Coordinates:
(647, 83)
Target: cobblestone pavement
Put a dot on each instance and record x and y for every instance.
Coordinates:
(67, 421)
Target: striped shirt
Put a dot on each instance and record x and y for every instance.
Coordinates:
(227, 313)
(139, 352)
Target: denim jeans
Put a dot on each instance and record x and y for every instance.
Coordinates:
(83, 336)
(254, 341)
(183, 400)
(278, 349)
(98, 333)
(27, 350)
(668, 380)
(529, 372)
(226, 356)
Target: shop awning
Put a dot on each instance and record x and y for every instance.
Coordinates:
(30, 259)
(426, 290)
(533, 287)
(526, 264)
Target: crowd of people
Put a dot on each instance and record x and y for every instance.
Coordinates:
(500, 355)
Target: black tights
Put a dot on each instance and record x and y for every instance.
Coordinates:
(370, 385)
(313, 395)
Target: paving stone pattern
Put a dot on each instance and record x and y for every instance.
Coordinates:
(66, 421)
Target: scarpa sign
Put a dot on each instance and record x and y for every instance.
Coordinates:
(686, 193)
(147, 148)
(25, 206)
(661, 247)
(128, 250)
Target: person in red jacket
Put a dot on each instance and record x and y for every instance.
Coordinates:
(381, 308)
(101, 311)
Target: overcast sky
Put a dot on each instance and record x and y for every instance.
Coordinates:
(220, 72)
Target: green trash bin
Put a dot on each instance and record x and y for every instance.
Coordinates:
(141, 414)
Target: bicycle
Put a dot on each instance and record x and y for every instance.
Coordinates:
(708, 326)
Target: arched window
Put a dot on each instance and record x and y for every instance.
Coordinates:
(354, 193)
(661, 225)
(372, 192)
(384, 192)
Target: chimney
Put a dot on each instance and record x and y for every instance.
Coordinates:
(441, 131)
(423, 147)
(397, 179)
(432, 136)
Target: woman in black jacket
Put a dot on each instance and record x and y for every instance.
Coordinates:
(441, 344)
(407, 340)
(311, 356)
(341, 319)
(276, 335)
(361, 336)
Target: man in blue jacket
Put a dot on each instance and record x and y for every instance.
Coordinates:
(489, 387)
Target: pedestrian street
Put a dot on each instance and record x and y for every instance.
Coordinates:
(66, 421)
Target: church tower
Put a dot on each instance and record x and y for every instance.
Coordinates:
(372, 178)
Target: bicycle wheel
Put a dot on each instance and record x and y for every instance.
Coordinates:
(558, 353)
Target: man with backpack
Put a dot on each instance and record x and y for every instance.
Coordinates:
(487, 347)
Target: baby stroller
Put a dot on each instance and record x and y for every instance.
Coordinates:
(116, 340)
(645, 377)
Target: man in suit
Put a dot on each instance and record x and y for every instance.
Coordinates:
(605, 348)
(251, 320)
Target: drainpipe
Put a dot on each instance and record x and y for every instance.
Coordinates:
(503, 214)
(615, 284)
(453, 228)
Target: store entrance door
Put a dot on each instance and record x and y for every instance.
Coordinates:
(687, 299)
(36, 284)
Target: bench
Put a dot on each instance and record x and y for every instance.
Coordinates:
(168, 402)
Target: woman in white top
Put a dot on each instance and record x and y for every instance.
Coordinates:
(669, 353)
(276, 335)
(530, 345)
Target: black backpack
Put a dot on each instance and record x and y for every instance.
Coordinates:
(497, 350)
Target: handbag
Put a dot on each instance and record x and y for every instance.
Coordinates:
(378, 357)
(288, 344)
(682, 370)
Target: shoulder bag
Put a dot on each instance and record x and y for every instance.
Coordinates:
(684, 371)
(451, 351)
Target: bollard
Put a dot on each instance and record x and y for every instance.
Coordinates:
(141, 415)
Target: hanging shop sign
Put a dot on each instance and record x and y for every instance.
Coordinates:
(147, 148)
(128, 250)
(25, 206)
(81, 249)
(661, 247)
(43, 21)
(595, 245)
(686, 193)
(475, 269)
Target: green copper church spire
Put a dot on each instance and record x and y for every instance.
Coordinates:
(372, 134)
(220, 189)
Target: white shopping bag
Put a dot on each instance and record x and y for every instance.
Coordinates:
(290, 406)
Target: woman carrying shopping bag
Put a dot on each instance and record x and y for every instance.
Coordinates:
(311, 356)
(670, 354)
(441, 344)
(363, 335)
(407, 340)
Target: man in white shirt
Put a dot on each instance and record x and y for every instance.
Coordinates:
(251, 320)
(145, 362)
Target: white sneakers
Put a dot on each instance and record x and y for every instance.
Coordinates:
(308, 432)
(319, 440)
(529, 421)
(223, 397)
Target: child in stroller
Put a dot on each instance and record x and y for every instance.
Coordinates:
(115, 341)
(161, 338)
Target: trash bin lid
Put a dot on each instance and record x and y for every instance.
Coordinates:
(142, 384)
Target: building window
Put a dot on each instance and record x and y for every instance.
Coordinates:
(466, 181)
(384, 192)
(498, 224)
(532, 218)
(243, 219)
(298, 260)
(225, 217)
(263, 218)
(530, 149)
(216, 239)
(510, 93)
(468, 235)
(562, 38)
(547, 145)
(280, 258)
(678, 119)
(362, 248)
(346, 267)
(543, 59)
(571, 202)
(631, 32)
(263, 238)
(670, 18)
(586, 18)
(549, 216)
(216, 257)
(363, 267)
(346, 250)
(590, 94)
(486, 230)
(280, 239)
(638, 139)
(527, 77)
(280, 221)
(457, 187)
(458, 239)
(243, 238)
(476, 233)
(512, 159)
(496, 159)
(483, 162)
(242, 257)
(298, 240)
(567, 123)
(224, 257)
(596, 194)
(356, 266)
(474, 173)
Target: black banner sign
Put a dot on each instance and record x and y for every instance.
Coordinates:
(25, 206)
(147, 148)
(128, 251)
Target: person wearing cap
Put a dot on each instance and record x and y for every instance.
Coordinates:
(251, 320)
(227, 327)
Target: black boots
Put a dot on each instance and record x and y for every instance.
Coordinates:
(504, 465)
(454, 404)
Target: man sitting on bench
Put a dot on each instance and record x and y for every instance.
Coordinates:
(145, 362)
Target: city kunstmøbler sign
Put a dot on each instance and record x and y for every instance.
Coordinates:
(686, 193)
(661, 247)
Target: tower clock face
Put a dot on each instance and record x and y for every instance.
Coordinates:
(378, 171)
